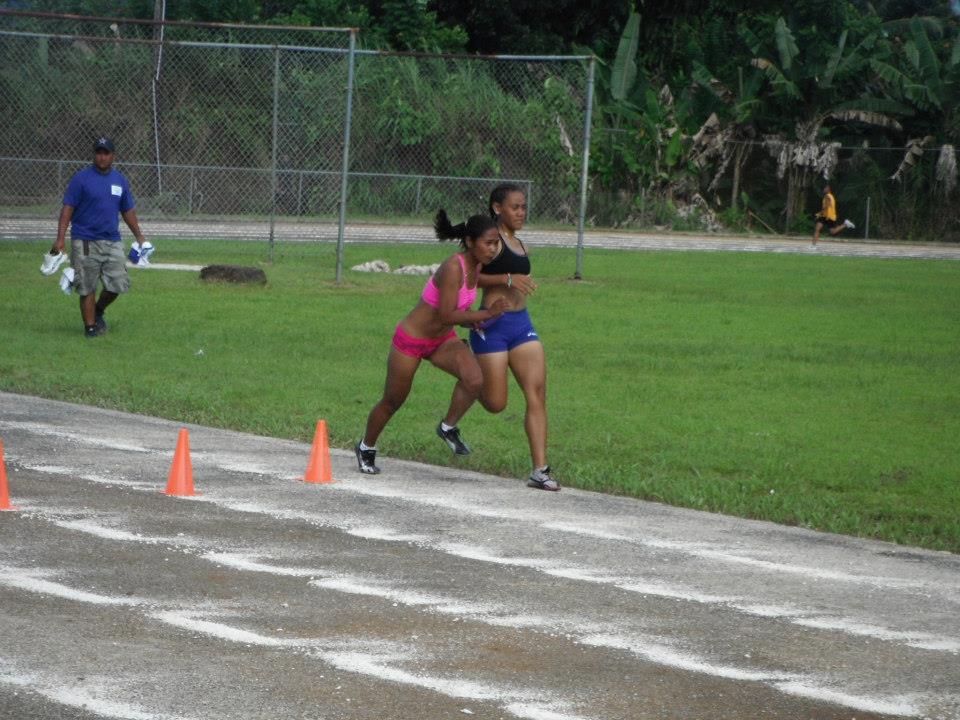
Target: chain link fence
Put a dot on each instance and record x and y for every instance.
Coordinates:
(261, 133)
(885, 197)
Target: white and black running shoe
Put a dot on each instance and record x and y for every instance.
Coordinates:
(452, 438)
(52, 262)
(366, 460)
(542, 479)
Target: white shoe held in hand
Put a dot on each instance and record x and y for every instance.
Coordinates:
(66, 280)
(140, 253)
(849, 224)
(52, 262)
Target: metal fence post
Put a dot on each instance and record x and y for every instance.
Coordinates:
(866, 224)
(345, 166)
(273, 159)
(584, 168)
(299, 192)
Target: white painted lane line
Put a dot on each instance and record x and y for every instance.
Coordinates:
(924, 641)
(657, 652)
(902, 706)
(470, 507)
(797, 616)
(86, 696)
(639, 585)
(89, 477)
(249, 563)
(380, 588)
(108, 533)
(342, 655)
(725, 556)
(32, 580)
(47, 430)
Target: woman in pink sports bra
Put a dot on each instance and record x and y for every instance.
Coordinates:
(426, 333)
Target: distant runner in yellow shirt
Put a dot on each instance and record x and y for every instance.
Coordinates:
(827, 217)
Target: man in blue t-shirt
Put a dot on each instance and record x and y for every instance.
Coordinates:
(94, 198)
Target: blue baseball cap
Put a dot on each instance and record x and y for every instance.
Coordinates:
(103, 143)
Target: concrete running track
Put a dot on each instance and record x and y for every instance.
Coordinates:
(429, 593)
(14, 228)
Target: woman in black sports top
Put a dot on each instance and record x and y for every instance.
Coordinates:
(510, 341)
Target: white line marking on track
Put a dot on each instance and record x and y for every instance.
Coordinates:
(923, 641)
(87, 696)
(920, 640)
(885, 706)
(249, 563)
(375, 665)
(108, 533)
(729, 557)
(51, 431)
(31, 581)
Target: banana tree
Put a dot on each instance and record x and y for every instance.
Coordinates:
(646, 144)
(821, 86)
(930, 87)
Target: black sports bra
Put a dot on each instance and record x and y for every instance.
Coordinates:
(507, 261)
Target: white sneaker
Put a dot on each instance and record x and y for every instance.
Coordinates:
(849, 224)
(66, 280)
(140, 254)
(52, 263)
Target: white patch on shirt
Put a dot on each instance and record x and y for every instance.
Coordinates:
(116, 190)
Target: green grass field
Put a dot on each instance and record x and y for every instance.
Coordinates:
(817, 391)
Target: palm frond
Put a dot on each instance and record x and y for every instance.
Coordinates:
(912, 156)
(929, 64)
(776, 77)
(834, 62)
(866, 117)
(902, 26)
(705, 78)
(855, 56)
(888, 73)
(624, 72)
(946, 173)
(878, 105)
(786, 45)
(913, 53)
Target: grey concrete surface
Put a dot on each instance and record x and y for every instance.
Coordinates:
(429, 592)
(13, 228)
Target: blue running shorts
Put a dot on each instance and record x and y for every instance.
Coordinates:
(504, 333)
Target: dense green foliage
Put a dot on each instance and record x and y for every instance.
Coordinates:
(804, 389)
(736, 109)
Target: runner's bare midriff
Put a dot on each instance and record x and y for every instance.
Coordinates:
(516, 299)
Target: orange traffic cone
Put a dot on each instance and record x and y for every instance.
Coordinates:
(4, 492)
(180, 481)
(318, 468)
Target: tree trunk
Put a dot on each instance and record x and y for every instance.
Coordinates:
(791, 199)
(737, 170)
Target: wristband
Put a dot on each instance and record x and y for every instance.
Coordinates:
(509, 280)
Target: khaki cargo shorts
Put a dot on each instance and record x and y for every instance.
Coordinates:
(95, 260)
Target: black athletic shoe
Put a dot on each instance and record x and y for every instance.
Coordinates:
(452, 438)
(100, 324)
(542, 480)
(367, 460)
(93, 331)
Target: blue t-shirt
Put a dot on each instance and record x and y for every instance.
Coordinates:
(97, 199)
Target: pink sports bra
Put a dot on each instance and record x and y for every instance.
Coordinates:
(465, 298)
